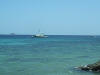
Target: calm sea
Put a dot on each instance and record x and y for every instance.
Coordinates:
(55, 55)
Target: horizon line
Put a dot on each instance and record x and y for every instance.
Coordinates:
(60, 34)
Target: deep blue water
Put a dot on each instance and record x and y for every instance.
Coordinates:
(55, 55)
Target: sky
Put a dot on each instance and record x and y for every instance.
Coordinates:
(52, 17)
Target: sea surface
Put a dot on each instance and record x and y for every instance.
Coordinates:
(55, 55)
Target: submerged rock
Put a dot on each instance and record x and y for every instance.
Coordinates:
(91, 67)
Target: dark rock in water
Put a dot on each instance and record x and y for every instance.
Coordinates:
(91, 67)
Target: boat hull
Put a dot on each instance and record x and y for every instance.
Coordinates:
(39, 36)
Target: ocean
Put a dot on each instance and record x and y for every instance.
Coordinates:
(55, 55)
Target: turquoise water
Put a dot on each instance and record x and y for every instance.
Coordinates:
(55, 55)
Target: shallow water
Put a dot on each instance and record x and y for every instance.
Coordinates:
(55, 55)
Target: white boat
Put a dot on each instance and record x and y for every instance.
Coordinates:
(40, 35)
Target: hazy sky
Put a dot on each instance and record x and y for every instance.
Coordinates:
(69, 17)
